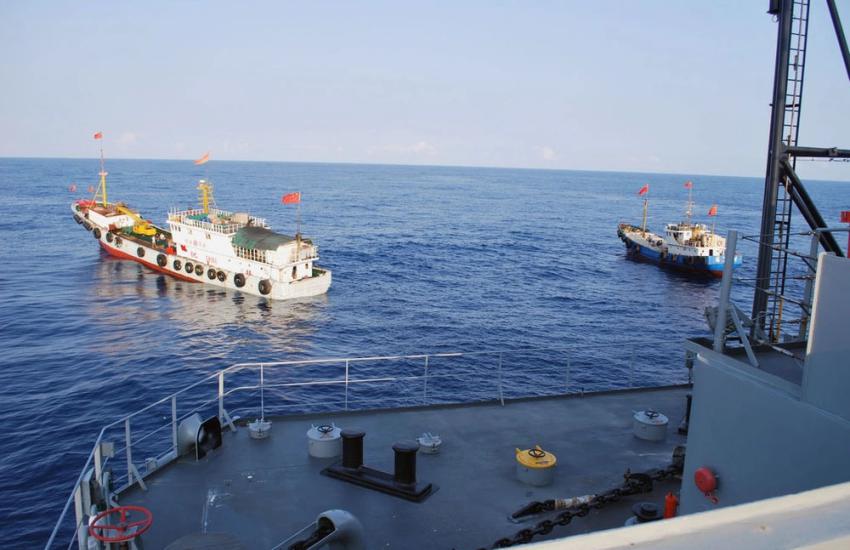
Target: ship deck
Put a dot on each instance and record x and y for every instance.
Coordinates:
(257, 493)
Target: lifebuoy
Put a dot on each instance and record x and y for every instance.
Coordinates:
(211, 274)
(189, 267)
(161, 260)
(96, 233)
(221, 275)
(177, 265)
(239, 280)
(109, 237)
(199, 270)
(140, 252)
(265, 286)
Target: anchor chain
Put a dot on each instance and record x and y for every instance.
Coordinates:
(633, 484)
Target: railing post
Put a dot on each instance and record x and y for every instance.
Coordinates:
(98, 463)
(221, 396)
(425, 383)
(725, 289)
(807, 292)
(262, 392)
(501, 393)
(174, 424)
(346, 384)
(128, 451)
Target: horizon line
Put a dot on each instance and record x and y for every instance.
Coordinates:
(401, 164)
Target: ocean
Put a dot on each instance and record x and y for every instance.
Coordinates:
(424, 259)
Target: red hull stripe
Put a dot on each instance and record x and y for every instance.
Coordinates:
(154, 266)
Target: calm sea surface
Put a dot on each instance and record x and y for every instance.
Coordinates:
(425, 259)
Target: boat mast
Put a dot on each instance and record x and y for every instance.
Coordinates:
(643, 226)
(101, 187)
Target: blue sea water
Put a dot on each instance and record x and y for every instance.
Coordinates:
(425, 259)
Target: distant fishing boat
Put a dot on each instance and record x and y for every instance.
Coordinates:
(686, 246)
(208, 245)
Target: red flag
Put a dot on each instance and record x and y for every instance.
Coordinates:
(98, 135)
(291, 198)
(689, 184)
(203, 160)
(713, 210)
(644, 190)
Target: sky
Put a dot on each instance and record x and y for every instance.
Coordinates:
(650, 86)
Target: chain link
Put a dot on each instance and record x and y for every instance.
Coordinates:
(633, 484)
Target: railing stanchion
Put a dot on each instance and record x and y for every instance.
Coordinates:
(501, 393)
(262, 393)
(221, 396)
(346, 384)
(129, 450)
(174, 423)
(425, 383)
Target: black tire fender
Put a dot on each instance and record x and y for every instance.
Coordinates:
(140, 252)
(161, 260)
(96, 233)
(221, 275)
(264, 286)
(239, 280)
(189, 268)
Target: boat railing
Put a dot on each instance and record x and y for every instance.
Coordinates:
(127, 450)
(789, 318)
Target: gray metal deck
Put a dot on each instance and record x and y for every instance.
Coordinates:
(261, 492)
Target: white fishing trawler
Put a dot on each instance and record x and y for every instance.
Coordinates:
(208, 245)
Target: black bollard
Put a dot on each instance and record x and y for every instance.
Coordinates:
(352, 448)
(405, 462)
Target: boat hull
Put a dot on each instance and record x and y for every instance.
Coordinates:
(174, 265)
(711, 266)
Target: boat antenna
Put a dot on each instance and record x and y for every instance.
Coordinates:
(645, 203)
(689, 207)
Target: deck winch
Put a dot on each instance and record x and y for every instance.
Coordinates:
(324, 441)
(535, 466)
(650, 425)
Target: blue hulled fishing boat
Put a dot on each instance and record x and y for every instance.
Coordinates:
(686, 246)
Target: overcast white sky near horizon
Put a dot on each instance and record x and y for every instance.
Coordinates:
(651, 86)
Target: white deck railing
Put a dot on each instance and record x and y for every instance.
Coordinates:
(255, 390)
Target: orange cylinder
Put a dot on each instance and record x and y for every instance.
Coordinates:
(671, 503)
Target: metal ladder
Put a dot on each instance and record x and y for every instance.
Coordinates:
(790, 133)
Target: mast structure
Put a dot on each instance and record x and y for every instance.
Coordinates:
(782, 186)
(643, 224)
(101, 186)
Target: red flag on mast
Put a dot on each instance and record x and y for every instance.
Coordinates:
(689, 184)
(291, 198)
(713, 210)
(203, 160)
(644, 190)
(98, 135)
